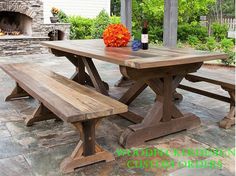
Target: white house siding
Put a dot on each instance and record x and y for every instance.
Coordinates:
(84, 8)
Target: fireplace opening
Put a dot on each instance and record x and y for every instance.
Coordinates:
(56, 35)
(15, 23)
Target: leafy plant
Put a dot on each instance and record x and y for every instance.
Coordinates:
(227, 46)
(150, 10)
(231, 58)
(219, 31)
(211, 43)
(202, 46)
(115, 20)
(180, 44)
(115, 7)
(191, 10)
(99, 24)
(63, 18)
(155, 33)
(136, 34)
(192, 29)
(80, 27)
(193, 40)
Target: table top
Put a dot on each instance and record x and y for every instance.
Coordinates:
(124, 56)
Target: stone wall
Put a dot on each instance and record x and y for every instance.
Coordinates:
(22, 46)
(64, 27)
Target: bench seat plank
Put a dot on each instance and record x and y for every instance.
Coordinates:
(68, 100)
(218, 78)
(225, 80)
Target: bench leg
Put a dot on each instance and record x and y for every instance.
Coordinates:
(229, 120)
(40, 114)
(17, 92)
(87, 151)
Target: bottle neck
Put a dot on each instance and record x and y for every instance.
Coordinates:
(145, 24)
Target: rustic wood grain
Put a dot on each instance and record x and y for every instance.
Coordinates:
(16, 93)
(163, 117)
(95, 77)
(124, 56)
(67, 99)
(80, 76)
(40, 114)
(225, 80)
(87, 151)
(215, 77)
(162, 69)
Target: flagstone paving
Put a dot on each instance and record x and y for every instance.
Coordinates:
(39, 150)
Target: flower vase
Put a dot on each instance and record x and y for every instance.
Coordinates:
(54, 19)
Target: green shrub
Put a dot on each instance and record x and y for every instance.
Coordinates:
(193, 40)
(201, 46)
(63, 18)
(155, 33)
(180, 44)
(183, 31)
(136, 34)
(99, 24)
(115, 20)
(227, 46)
(192, 29)
(211, 43)
(219, 31)
(231, 58)
(80, 27)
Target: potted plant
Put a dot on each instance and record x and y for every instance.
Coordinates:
(54, 12)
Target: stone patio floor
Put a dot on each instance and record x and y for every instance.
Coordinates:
(39, 150)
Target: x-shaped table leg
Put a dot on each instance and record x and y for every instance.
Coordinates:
(163, 118)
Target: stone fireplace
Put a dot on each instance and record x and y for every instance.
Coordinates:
(22, 28)
(15, 23)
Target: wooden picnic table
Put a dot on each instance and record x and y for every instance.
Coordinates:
(162, 69)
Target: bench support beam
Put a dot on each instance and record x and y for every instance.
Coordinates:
(40, 114)
(205, 93)
(87, 151)
(17, 92)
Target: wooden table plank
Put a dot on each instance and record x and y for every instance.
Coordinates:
(124, 56)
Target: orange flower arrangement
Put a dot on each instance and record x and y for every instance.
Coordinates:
(116, 35)
(55, 11)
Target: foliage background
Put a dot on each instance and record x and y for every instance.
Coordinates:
(190, 32)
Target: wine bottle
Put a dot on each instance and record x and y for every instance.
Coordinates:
(144, 38)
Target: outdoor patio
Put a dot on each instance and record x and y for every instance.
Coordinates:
(39, 150)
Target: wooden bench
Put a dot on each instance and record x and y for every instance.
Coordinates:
(71, 102)
(226, 81)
